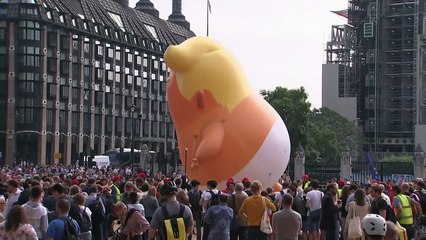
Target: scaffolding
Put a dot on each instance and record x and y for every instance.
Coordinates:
(380, 69)
(339, 51)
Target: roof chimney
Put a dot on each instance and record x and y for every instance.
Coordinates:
(147, 6)
(177, 17)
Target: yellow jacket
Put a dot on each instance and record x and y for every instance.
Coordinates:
(253, 208)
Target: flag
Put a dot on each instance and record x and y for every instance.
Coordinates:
(373, 169)
(209, 7)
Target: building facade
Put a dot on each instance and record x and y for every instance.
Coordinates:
(74, 73)
(383, 73)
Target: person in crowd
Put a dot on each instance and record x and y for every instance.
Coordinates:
(133, 198)
(80, 201)
(14, 192)
(253, 208)
(230, 186)
(329, 222)
(56, 229)
(299, 206)
(2, 207)
(97, 206)
(173, 207)
(36, 212)
(74, 190)
(58, 193)
(374, 227)
(205, 202)
(403, 205)
(379, 205)
(359, 207)
(150, 203)
(313, 202)
(133, 223)
(115, 190)
(17, 226)
(219, 218)
(194, 196)
(286, 223)
(247, 186)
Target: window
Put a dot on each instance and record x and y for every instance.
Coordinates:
(152, 31)
(62, 19)
(30, 34)
(117, 19)
(30, 61)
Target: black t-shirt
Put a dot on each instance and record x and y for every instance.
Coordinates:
(377, 205)
(380, 204)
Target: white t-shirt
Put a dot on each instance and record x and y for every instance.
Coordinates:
(207, 195)
(314, 197)
(279, 196)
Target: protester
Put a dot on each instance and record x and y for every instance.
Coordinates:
(219, 219)
(173, 208)
(36, 212)
(17, 226)
(253, 208)
(56, 229)
(13, 189)
(133, 222)
(286, 223)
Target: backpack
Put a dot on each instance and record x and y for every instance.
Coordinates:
(194, 200)
(70, 230)
(98, 213)
(121, 235)
(81, 217)
(215, 198)
(174, 225)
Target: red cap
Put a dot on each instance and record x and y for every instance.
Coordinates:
(116, 178)
(305, 177)
(142, 175)
(229, 181)
(341, 183)
(75, 182)
(245, 180)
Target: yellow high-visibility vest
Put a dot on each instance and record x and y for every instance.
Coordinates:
(118, 192)
(406, 217)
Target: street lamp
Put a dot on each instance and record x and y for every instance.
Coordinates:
(165, 140)
(132, 150)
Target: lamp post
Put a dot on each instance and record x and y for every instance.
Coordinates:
(165, 141)
(132, 147)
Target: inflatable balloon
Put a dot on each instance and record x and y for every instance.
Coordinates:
(277, 187)
(224, 128)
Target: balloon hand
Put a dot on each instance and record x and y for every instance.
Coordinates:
(195, 163)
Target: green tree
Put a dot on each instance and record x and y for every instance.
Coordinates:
(293, 107)
(328, 135)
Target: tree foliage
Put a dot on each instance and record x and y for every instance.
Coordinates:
(323, 133)
(329, 134)
(293, 107)
(398, 159)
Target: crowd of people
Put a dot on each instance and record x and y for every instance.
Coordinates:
(75, 203)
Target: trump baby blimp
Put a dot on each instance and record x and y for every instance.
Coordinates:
(224, 128)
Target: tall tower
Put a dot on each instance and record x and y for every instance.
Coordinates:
(177, 17)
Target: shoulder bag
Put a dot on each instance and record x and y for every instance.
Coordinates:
(265, 223)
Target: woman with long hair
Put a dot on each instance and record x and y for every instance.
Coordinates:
(359, 207)
(150, 203)
(16, 226)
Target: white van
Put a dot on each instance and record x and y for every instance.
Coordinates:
(101, 161)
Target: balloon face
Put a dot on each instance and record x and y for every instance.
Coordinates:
(224, 128)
